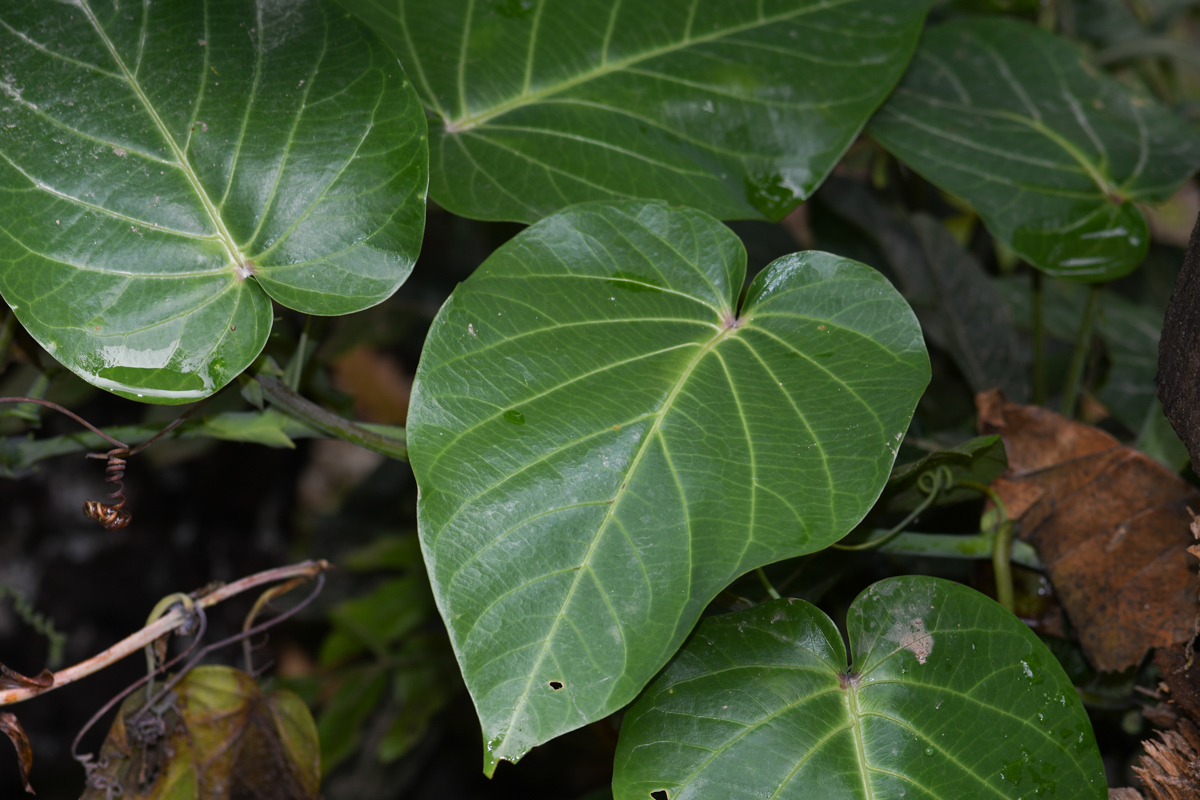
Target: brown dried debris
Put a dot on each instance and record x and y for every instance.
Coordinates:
(1170, 769)
(1110, 525)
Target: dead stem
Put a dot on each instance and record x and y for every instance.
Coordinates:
(165, 624)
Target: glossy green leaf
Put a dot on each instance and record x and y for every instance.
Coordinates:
(603, 440)
(1051, 153)
(168, 168)
(949, 696)
(737, 108)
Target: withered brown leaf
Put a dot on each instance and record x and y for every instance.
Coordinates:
(15, 680)
(16, 734)
(218, 737)
(1110, 525)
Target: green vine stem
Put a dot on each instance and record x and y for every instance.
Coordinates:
(932, 483)
(976, 546)
(20, 454)
(997, 543)
(766, 582)
(327, 422)
(1083, 341)
(299, 360)
(1039, 339)
(1002, 545)
(40, 623)
(1002, 563)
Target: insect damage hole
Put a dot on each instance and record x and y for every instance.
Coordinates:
(556, 685)
(660, 794)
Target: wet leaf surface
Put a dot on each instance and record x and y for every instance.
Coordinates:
(739, 109)
(215, 737)
(1109, 523)
(1050, 152)
(949, 696)
(168, 169)
(603, 440)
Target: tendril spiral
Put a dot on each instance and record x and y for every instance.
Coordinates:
(112, 515)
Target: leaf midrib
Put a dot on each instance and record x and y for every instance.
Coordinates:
(470, 121)
(235, 257)
(585, 565)
(1068, 147)
(860, 748)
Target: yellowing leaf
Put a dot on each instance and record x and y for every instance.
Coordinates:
(214, 737)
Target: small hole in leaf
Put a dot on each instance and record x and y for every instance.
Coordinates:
(660, 794)
(556, 685)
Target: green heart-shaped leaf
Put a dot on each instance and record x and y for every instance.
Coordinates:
(166, 166)
(1016, 122)
(737, 108)
(949, 696)
(603, 441)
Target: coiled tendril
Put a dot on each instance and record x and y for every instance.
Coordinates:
(112, 515)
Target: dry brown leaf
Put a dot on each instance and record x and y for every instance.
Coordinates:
(1110, 525)
(216, 738)
(11, 728)
(1195, 528)
(15, 680)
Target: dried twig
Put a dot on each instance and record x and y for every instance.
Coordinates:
(162, 626)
